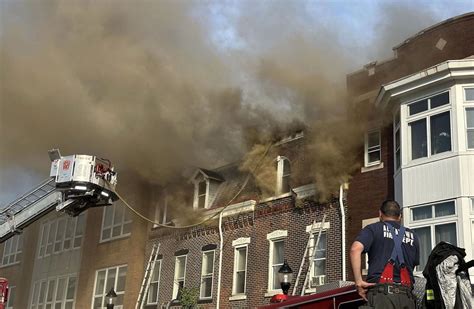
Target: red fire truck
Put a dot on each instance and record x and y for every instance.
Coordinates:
(3, 292)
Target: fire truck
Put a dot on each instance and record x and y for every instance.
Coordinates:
(76, 183)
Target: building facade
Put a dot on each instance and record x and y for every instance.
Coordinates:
(418, 149)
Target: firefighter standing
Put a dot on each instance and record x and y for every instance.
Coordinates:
(393, 252)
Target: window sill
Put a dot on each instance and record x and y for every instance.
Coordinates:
(114, 238)
(207, 300)
(271, 293)
(370, 168)
(238, 297)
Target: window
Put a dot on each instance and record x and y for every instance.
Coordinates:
(431, 134)
(207, 273)
(11, 297)
(433, 211)
(396, 141)
(432, 232)
(372, 148)
(277, 256)
(116, 222)
(283, 174)
(179, 275)
(202, 189)
(12, 250)
(319, 263)
(106, 279)
(58, 292)
(431, 235)
(240, 270)
(62, 234)
(470, 127)
(153, 290)
(469, 93)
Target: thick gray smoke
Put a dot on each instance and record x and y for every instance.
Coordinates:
(158, 86)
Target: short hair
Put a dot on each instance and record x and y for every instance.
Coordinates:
(390, 208)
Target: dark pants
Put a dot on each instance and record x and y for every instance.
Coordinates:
(390, 296)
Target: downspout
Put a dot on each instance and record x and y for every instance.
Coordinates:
(343, 231)
(221, 246)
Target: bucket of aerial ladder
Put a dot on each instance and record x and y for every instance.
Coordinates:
(3, 292)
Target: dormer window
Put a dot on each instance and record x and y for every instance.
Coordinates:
(202, 194)
(283, 175)
(206, 184)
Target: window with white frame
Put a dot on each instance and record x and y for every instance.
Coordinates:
(56, 292)
(283, 175)
(179, 275)
(201, 194)
(429, 124)
(207, 274)
(277, 257)
(106, 279)
(372, 148)
(470, 127)
(432, 224)
(396, 141)
(116, 222)
(61, 234)
(469, 94)
(319, 263)
(240, 270)
(11, 297)
(154, 289)
(12, 250)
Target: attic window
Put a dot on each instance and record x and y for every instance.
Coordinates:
(202, 188)
(283, 174)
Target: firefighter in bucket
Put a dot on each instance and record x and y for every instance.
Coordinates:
(393, 252)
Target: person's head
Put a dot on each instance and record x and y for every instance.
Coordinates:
(390, 210)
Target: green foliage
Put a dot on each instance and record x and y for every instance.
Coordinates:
(189, 297)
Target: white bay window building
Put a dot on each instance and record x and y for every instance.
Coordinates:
(433, 151)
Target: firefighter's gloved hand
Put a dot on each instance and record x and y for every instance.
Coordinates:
(362, 288)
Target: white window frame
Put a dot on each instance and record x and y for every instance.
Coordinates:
(397, 120)
(427, 115)
(240, 243)
(36, 294)
(433, 222)
(104, 289)
(377, 148)
(275, 236)
(126, 219)
(49, 236)
(281, 161)
(197, 195)
(314, 230)
(208, 275)
(176, 279)
(156, 268)
(468, 129)
(11, 291)
(10, 253)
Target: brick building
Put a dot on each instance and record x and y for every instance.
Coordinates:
(418, 150)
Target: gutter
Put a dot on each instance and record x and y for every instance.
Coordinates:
(343, 232)
(221, 246)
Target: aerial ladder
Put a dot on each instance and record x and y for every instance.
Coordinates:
(76, 183)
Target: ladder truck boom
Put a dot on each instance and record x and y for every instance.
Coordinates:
(76, 183)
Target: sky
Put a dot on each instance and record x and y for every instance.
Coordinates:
(263, 51)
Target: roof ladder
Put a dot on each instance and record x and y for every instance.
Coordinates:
(309, 253)
(147, 276)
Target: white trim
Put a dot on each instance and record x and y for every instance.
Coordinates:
(117, 268)
(378, 148)
(15, 253)
(112, 226)
(277, 234)
(242, 241)
(238, 297)
(317, 227)
(207, 275)
(11, 291)
(234, 274)
(158, 285)
(281, 161)
(175, 282)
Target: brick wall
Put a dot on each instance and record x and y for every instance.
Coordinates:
(280, 214)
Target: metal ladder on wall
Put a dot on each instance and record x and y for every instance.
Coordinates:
(309, 254)
(147, 276)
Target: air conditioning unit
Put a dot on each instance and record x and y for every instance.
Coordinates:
(318, 280)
